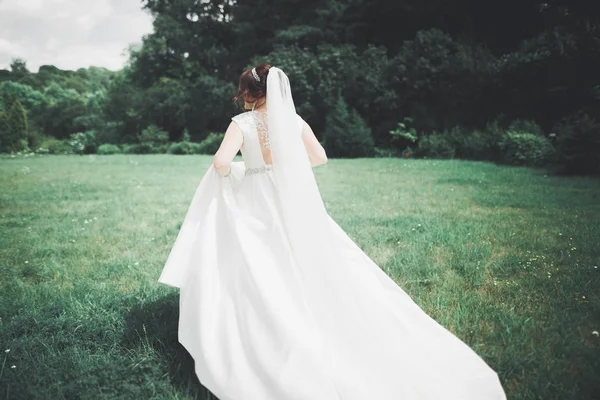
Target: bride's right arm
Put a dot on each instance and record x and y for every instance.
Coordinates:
(316, 152)
(232, 141)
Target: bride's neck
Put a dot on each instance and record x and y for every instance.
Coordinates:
(261, 107)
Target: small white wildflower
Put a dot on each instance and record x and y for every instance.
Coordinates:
(595, 333)
(13, 366)
(26, 262)
(7, 351)
(85, 221)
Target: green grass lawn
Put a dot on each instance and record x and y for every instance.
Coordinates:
(506, 258)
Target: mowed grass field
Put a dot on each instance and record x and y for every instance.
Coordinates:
(507, 258)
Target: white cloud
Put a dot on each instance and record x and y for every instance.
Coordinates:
(70, 34)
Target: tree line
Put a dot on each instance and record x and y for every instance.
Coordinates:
(511, 81)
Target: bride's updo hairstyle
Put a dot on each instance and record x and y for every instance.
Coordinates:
(250, 87)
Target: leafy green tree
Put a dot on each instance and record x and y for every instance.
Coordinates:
(210, 106)
(62, 109)
(346, 133)
(93, 118)
(122, 111)
(441, 82)
(32, 100)
(13, 128)
(19, 71)
(166, 104)
(317, 77)
(4, 132)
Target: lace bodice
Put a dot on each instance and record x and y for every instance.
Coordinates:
(260, 121)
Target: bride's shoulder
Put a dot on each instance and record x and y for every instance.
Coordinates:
(241, 116)
(300, 121)
(243, 120)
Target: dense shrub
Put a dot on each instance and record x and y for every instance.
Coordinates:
(401, 138)
(54, 146)
(152, 140)
(436, 145)
(578, 145)
(178, 148)
(34, 139)
(153, 136)
(526, 149)
(83, 142)
(110, 132)
(474, 144)
(162, 149)
(108, 148)
(137, 148)
(387, 152)
(211, 143)
(346, 134)
(144, 148)
(184, 147)
(495, 132)
(525, 125)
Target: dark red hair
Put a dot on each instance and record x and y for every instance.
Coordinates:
(249, 86)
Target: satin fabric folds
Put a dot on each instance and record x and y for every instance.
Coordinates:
(255, 332)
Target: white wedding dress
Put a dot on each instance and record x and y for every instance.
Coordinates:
(258, 332)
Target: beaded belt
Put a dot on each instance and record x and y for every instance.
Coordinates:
(265, 168)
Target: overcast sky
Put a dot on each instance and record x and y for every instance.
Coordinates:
(70, 34)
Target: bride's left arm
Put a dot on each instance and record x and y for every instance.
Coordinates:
(228, 149)
(316, 152)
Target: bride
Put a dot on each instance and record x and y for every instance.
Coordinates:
(277, 302)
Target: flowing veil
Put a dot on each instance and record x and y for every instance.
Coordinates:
(331, 269)
(301, 205)
(303, 212)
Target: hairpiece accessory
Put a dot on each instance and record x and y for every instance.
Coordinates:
(255, 75)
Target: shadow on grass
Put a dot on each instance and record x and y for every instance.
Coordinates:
(155, 324)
